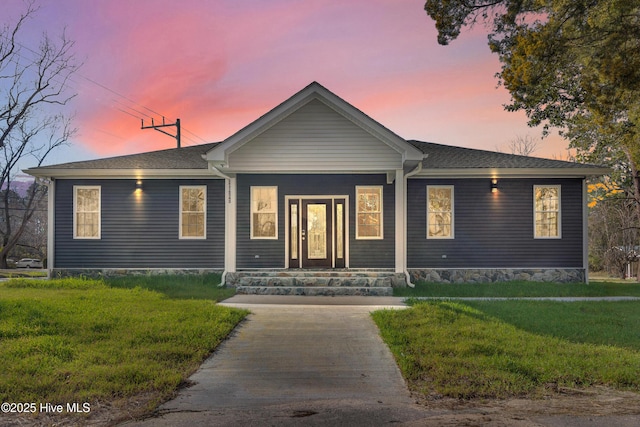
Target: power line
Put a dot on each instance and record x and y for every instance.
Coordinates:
(121, 96)
(67, 83)
(200, 138)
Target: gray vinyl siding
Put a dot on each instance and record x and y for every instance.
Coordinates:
(271, 253)
(315, 137)
(139, 232)
(495, 230)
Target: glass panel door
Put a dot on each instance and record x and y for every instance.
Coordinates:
(316, 233)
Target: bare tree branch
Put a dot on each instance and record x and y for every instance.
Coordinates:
(33, 88)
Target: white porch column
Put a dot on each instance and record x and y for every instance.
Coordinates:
(51, 223)
(400, 230)
(230, 225)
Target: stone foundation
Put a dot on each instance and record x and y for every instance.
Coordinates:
(493, 275)
(436, 275)
(95, 273)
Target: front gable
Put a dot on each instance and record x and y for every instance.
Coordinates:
(315, 138)
(313, 131)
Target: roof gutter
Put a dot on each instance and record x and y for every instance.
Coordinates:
(118, 173)
(514, 172)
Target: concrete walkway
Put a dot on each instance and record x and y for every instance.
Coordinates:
(295, 361)
(317, 361)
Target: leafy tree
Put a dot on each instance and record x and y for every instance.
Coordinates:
(569, 64)
(33, 90)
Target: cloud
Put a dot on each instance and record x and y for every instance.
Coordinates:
(220, 65)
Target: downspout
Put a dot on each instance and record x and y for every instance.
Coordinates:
(415, 171)
(216, 171)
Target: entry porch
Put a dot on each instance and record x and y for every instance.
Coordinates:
(322, 282)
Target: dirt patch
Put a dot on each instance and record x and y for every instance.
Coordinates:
(562, 405)
(100, 414)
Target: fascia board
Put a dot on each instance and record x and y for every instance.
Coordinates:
(121, 173)
(513, 173)
(306, 171)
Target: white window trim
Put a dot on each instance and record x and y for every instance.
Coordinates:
(535, 228)
(75, 211)
(180, 212)
(370, 187)
(251, 212)
(453, 211)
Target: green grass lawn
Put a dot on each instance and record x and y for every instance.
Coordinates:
(74, 340)
(521, 289)
(501, 349)
(203, 286)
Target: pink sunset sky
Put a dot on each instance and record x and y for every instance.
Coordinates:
(220, 64)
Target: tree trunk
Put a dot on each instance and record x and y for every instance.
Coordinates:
(636, 190)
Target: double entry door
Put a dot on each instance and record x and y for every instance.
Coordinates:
(317, 232)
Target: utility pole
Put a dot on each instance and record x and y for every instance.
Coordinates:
(164, 125)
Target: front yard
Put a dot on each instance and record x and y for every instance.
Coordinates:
(506, 349)
(130, 343)
(101, 345)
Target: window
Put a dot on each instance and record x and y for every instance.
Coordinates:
(264, 212)
(193, 212)
(86, 212)
(439, 212)
(546, 211)
(369, 212)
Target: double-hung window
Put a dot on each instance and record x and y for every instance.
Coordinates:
(546, 205)
(86, 212)
(440, 212)
(369, 212)
(264, 212)
(193, 212)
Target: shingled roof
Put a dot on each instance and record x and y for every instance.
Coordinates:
(450, 157)
(439, 158)
(173, 158)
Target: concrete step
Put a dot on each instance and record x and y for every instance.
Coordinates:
(315, 282)
(315, 290)
(365, 282)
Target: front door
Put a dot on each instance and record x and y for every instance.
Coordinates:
(316, 233)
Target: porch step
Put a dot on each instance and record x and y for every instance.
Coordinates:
(316, 291)
(317, 282)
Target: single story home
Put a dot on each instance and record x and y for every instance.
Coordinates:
(315, 187)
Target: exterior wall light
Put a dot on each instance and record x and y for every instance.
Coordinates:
(139, 185)
(494, 185)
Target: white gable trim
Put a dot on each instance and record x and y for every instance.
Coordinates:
(220, 154)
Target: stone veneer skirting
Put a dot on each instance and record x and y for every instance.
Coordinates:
(492, 275)
(95, 273)
(436, 275)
